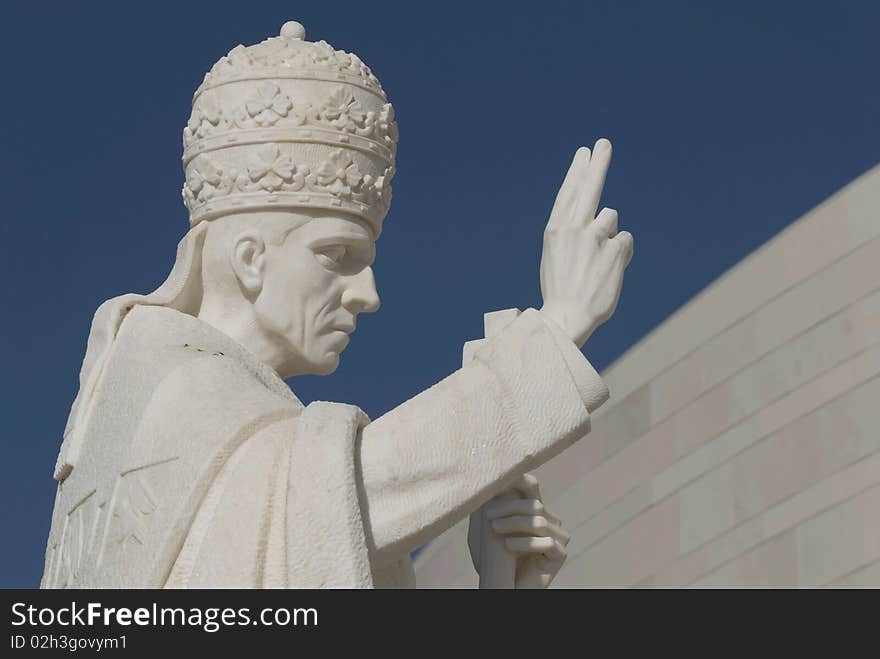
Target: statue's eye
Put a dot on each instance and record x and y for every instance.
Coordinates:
(331, 256)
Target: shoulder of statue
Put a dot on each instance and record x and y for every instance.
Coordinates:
(197, 360)
(340, 412)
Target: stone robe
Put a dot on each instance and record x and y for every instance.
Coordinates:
(199, 467)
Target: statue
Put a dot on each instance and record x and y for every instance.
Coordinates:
(188, 462)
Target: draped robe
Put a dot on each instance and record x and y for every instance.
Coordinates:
(199, 467)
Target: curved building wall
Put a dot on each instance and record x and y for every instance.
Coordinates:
(741, 445)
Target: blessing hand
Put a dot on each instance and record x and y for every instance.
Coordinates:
(584, 256)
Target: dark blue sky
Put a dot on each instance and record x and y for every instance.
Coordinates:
(729, 121)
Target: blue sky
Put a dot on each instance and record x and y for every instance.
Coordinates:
(729, 121)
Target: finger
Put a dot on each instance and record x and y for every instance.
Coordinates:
(546, 546)
(568, 191)
(567, 197)
(605, 225)
(527, 485)
(530, 525)
(498, 508)
(625, 241)
(594, 181)
(506, 507)
(539, 581)
(536, 571)
(553, 519)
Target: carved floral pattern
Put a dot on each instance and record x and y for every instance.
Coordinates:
(343, 111)
(205, 119)
(339, 175)
(290, 53)
(268, 104)
(385, 128)
(381, 188)
(273, 170)
(206, 180)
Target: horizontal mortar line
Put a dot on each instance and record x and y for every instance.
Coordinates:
(654, 504)
(722, 463)
(760, 357)
(764, 541)
(766, 353)
(739, 319)
(732, 375)
(725, 429)
(788, 392)
(869, 563)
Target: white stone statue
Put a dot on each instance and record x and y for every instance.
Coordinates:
(188, 462)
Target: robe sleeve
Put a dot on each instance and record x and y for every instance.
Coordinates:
(526, 396)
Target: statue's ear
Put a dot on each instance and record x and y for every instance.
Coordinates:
(248, 260)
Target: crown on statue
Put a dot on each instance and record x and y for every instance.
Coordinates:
(289, 123)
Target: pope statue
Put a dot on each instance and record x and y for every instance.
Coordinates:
(188, 462)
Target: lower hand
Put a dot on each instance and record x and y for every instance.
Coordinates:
(530, 532)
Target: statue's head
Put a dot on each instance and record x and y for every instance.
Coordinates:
(288, 156)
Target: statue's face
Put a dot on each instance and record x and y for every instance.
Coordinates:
(314, 285)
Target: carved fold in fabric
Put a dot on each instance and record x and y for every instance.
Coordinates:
(176, 495)
(592, 389)
(514, 406)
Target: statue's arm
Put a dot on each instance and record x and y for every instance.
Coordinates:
(525, 397)
(428, 463)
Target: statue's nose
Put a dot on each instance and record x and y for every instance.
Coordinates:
(361, 295)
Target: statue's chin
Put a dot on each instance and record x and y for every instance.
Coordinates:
(328, 365)
(324, 366)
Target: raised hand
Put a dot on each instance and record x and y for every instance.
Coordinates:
(584, 256)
